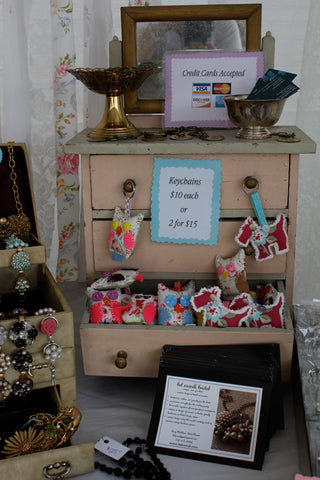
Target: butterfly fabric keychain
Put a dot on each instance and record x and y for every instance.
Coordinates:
(262, 236)
(124, 228)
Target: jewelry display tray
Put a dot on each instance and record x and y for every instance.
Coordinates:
(44, 292)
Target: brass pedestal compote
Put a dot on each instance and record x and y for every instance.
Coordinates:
(114, 83)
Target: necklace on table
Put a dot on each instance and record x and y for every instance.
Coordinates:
(133, 465)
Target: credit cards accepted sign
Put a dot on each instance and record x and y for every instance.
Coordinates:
(197, 82)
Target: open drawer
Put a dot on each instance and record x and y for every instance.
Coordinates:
(134, 350)
(44, 292)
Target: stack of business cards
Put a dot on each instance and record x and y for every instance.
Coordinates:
(275, 84)
(218, 403)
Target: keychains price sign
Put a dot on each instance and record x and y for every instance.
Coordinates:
(185, 200)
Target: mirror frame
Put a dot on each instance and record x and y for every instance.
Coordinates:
(131, 15)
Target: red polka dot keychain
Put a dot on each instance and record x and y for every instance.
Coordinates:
(265, 238)
(124, 228)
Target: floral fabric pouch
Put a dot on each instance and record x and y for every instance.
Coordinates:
(143, 309)
(174, 305)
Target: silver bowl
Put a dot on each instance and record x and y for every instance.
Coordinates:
(253, 116)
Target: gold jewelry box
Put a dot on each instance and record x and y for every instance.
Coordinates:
(43, 292)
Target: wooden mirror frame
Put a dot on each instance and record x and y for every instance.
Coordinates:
(131, 15)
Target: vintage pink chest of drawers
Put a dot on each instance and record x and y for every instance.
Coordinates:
(107, 165)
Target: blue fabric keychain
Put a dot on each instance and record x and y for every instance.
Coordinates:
(263, 235)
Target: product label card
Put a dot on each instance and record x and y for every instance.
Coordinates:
(186, 200)
(110, 447)
(194, 418)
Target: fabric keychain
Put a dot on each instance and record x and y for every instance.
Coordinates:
(262, 236)
(124, 228)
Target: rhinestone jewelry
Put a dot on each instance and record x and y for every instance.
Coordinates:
(5, 389)
(14, 242)
(3, 336)
(20, 260)
(5, 362)
(17, 312)
(21, 283)
(22, 333)
(22, 360)
(23, 386)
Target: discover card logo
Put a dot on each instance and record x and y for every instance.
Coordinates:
(205, 94)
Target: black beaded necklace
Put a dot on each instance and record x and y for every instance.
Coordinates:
(133, 465)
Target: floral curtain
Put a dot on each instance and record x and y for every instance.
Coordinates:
(65, 107)
(43, 106)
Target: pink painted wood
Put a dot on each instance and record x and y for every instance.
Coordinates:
(108, 173)
(169, 257)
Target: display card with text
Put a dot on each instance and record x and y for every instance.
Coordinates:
(191, 414)
(186, 200)
(195, 84)
(217, 403)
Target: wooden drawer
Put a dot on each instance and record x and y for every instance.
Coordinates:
(160, 258)
(109, 172)
(45, 290)
(101, 343)
(31, 467)
(36, 252)
(67, 461)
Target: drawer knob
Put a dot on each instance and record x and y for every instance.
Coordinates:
(251, 184)
(121, 360)
(50, 471)
(129, 188)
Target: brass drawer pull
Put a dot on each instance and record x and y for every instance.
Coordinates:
(57, 466)
(129, 188)
(121, 360)
(250, 185)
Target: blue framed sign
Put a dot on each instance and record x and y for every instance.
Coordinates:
(185, 200)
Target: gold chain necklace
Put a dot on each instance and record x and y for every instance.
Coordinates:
(19, 225)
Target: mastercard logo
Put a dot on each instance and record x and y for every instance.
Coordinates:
(221, 88)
